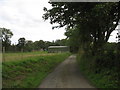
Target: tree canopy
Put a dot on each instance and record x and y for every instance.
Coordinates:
(5, 37)
(94, 21)
(21, 43)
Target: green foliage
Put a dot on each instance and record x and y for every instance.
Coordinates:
(88, 27)
(29, 46)
(26, 45)
(73, 39)
(62, 42)
(5, 37)
(21, 43)
(39, 45)
(94, 21)
(29, 73)
(101, 70)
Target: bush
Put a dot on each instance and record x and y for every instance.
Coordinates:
(102, 70)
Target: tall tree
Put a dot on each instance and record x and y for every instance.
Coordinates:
(94, 20)
(39, 45)
(21, 43)
(6, 35)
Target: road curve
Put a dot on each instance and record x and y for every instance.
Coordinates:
(66, 75)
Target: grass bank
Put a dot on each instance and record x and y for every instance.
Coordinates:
(101, 75)
(30, 72)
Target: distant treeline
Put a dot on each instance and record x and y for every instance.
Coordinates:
(26, 45)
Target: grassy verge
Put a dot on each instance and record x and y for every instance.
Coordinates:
(30, 72)
(100, 77)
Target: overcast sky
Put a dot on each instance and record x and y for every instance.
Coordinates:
(24, 18)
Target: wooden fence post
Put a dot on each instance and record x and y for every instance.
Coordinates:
(21, 53)
(3, 54)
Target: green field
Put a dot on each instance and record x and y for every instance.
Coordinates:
(30, 72)
(23, 55)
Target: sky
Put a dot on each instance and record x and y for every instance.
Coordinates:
(24, 19)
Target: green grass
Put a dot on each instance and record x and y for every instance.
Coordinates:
(30, 72)
(22, 55)
(105, 78)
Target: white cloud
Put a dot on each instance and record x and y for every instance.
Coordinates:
(24, 18)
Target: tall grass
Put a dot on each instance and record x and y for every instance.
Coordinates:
(30, 72)
(22, 55)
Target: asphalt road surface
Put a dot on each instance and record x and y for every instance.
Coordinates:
(66, 75)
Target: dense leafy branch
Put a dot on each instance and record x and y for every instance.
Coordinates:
(95, 21)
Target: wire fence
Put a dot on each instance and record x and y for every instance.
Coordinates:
(15, 56)
(10, 56)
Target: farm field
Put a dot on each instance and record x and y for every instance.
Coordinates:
(23, 55)
(29, 72)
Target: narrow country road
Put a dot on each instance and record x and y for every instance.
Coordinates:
(66, 75)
